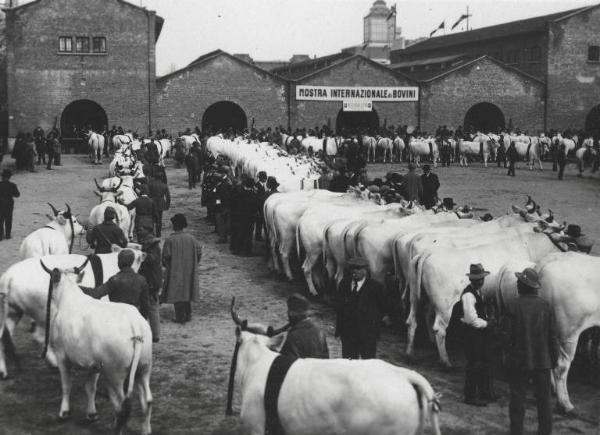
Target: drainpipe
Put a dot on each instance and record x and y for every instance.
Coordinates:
(149, 75)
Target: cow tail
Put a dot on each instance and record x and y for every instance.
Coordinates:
(428, 402)
(298, 248)
(325, 244)
(125, 412)
(8, 345)
(415, 272)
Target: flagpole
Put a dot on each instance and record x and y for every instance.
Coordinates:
(468, 15)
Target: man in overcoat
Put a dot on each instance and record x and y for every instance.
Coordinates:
(260, 188)
(531, 344)
(161, 197)
(104, 235)
(412, 185)
(360, 308)
(8, 191)
(431, 184)
(144, 212)
(181, 257)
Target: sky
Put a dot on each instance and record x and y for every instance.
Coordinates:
(277, 29)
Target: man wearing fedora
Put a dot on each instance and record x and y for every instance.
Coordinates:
(448, 204)
(304, 339)
(181, 257)
(574, 236)
(151, 270)
(431, 184)
(360, 307)
(8, 191)
(531, 343)
(478, 381)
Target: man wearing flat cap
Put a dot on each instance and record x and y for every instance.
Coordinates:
(478, 380)
(531, 344)
(144, 212)
(181, 257)
(360, 308)
(304, 339)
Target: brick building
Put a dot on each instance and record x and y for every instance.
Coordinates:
(80, 63)
(555, 59)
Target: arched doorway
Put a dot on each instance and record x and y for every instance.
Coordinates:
(81, 115)
(484, 117)
(592, 122)
(356, 122)
(223, 116)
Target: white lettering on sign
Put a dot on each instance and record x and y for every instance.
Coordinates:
(341, 93)
(357, 105)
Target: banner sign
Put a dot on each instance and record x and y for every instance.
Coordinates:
(357, 105)
(342, 93)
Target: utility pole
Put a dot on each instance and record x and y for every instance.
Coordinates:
(468, 15)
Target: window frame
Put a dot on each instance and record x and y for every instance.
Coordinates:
(65, 39)
(596, 48)
(102, 38)
(82, 38)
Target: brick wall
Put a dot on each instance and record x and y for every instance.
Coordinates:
(41, 82)
(445, 101)
(573, 82)
(355, 72)
(184, 96)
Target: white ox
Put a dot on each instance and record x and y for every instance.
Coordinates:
(124, 186)
(125, 142)
(481, 143)
(96, 146)
(570, 283)
(370, 143)
(355, 397)
(109, 198)
(441, 273)
(385, 147)
(54, 238)
(164, 147)
(399, 146)
(530, 151)
(24, 287)
(104, 338)
(423, 147)
(310, 230)
(328, 145)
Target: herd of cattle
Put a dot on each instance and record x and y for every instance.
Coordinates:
(426, 252)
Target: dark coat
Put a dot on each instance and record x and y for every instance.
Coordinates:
(431, 184)
(244, 205)
(305, 340)
(512, 154)
(144, 211)
(413, 186)
(103, 235)
(8, 191)
(366, 319)
(530, 333)
(151, 267)
(127, 287)
(159, 192)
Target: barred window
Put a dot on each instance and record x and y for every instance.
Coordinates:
(594, 53)
(82, 44)
(65, 44)
(98, 44)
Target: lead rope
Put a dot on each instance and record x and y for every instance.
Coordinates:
(229, 409)
(72, 234)
(48, 309)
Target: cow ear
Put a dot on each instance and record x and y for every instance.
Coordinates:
(80, 276)
(55, 276)
(61, 219)
(115, 248)
(276, 342)
(238, 332)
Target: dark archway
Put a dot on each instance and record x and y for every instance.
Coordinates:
(81, 115)
(484, 117)
(222, 116)
(592, 122)
(356, 122)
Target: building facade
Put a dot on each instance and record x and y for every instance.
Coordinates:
(76, 64)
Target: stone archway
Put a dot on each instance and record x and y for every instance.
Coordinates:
(77, 117)
(484, 117)
(357, 122)
(222, 116)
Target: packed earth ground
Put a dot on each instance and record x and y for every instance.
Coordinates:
(191, 362)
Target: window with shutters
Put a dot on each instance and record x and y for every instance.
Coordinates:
(98, 44)
(593, 53)
(65, 44)
(82, 44)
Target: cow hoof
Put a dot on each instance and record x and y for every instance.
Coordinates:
(91, 418)
(3, 376)
(567, 414)
(63, 416)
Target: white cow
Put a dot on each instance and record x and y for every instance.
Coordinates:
(530, 151)
(441, 273)
(370, 143)
(24, 287)
(109, 198)
(54, 238)
(355, 397)
(96, 146)
(423, 147)
(106, 338)
(163, 146)
(126, 195)
(385, 147)
(570, 283)
(480, 143)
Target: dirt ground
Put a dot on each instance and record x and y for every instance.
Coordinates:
(191, 362)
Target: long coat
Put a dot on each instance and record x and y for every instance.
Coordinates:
(181, 255)
(366, 321)
(431, 184)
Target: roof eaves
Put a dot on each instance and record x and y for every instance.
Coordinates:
(485, 56)
(21, 6)
(577, 12)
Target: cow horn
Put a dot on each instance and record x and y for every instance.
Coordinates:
(54, 210)
(118, 185)
(101, 189)
(48, 271)
(80, 268)
(68, 209)
(273, 332)
(234, 314)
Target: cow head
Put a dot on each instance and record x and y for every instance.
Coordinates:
(139, 255)
(251, 341)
